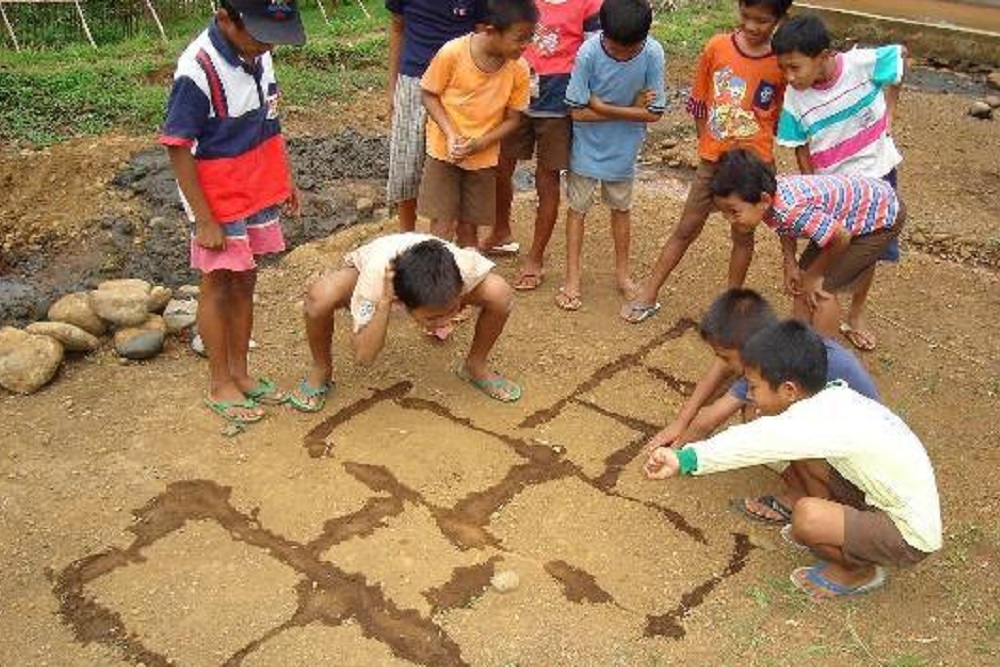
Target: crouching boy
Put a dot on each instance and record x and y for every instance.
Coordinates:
(881, 505)
(433, 279)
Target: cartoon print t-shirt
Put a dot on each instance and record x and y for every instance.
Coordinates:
(739, 97)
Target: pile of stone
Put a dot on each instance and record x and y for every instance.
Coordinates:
(984, 108)
(134, 315)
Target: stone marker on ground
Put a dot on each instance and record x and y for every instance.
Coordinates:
(27, 362)
(139, 343)
(505, 581)
(73, 338)
(993, 100)
(75, 309)
(981, 110)
(122, 308)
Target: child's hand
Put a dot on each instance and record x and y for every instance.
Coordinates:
(662, 464)
(667, 437)
(813, 290)
(461, 148)
(293, 205)
(209, 235)
(793, 280)
(644, 98)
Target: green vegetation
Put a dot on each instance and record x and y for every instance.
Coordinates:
(48, 95)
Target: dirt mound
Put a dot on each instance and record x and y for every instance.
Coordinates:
(146, 234)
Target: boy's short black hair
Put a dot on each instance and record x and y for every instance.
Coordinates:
(502, 14)
(778, 8)
(426, 275)
(741, 172)
(788, 352)
(805, 34)
(626, 22)
(734, 317)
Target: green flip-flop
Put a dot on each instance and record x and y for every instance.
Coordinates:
(498, 387)
(310, 392)
(266, 392)
(225, 410)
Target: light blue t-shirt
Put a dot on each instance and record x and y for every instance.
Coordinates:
(607, 150)
(840, 365)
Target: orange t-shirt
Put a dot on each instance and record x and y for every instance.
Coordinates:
(475, 101)
(738, 96)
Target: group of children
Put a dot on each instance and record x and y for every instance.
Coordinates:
(466, 107)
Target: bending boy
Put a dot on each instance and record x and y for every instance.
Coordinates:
(433, 279)
(883, 506)
(732, 319)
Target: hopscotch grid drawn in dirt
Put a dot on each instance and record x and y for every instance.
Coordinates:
(329, 595)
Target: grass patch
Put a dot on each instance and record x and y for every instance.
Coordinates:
(684, 32)
(49, 95)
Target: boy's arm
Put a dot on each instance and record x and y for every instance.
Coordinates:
(706, 388)
(711, 418)
(436, 110)
(511, 119)
(639, 111)
(793, 277)
(208, 233)
(804, 159)
(395, 54)
(370, 340)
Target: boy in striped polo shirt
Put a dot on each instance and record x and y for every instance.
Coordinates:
(848, 220)
(837, 115)
(225, 144)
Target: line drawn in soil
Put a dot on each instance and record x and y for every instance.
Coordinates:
(329, 595)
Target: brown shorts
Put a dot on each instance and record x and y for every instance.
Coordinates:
(870, 536)
(863, 253)
(450, 193)
(550, 135)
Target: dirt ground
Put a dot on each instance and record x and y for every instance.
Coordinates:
(132, 532)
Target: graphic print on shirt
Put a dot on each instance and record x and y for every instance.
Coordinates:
(727, 118)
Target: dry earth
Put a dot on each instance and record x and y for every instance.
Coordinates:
(132, 532)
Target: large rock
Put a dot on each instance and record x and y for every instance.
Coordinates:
(158, 299)
(139, 343)
(75, 309)
(122, 308)
(126, 285)
(993, 80)
(71, 337)
(27, 362)
(993, 101)
(180, 314)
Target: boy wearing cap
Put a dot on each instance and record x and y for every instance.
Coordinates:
(225, 144)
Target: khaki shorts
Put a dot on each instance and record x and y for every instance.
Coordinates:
(617, 195)
(870, 536)
(450, 193)
(699, 204)
(862, 254)
(550, 135)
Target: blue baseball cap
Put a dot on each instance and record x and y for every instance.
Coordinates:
(270, 21)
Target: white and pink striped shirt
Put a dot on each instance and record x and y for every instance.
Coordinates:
(844, 120)
(815, 207)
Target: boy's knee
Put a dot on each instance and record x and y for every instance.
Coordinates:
(317, 304)
(808, 519)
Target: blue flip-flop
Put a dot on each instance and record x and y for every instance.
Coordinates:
(639, 312)
(814, 575)
(310, 392)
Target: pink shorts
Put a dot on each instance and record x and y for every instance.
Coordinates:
(257, 234)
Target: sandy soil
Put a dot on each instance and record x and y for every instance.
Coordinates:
(132, 532)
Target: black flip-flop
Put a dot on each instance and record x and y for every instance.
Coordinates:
(770, 502)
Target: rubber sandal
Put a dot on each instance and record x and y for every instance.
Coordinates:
(856, 337)
(498, 387)
(567, 302)
(504, 249)
(266, 392)
(830, 589)
(224, 409)
(770, 502)
(634, 313)
(528, 281)
(311, 392)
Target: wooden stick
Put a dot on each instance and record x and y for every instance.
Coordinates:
(10, 28)
(156, 17)
(83, 22)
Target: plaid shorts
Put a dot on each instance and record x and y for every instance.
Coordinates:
(406, 142)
